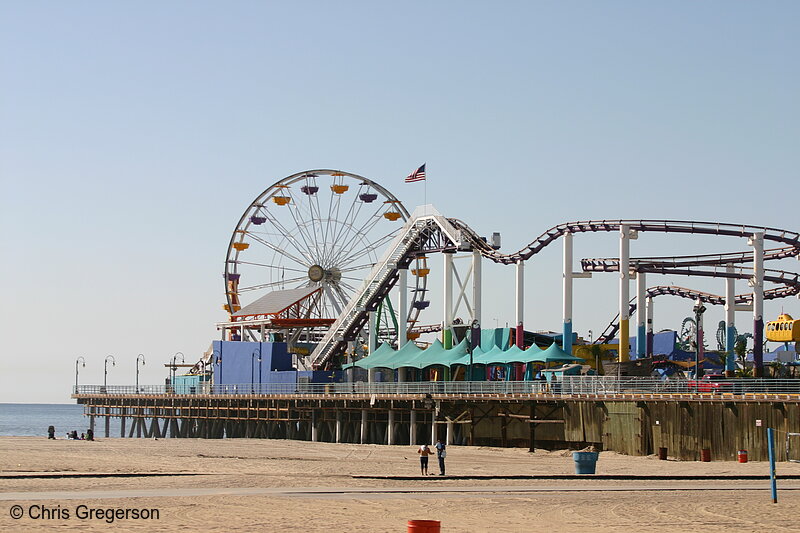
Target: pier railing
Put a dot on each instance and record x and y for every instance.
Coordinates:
(574, 386)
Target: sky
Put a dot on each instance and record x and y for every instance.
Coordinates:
(133, 136)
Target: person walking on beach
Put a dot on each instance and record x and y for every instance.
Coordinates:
(441, 453)
(424, 451)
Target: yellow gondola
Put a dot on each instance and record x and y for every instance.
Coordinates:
(241, 246)
(421, 272)
(281, 200)
(391, 215)
(228, 308)
(785, 329)
(339, 189)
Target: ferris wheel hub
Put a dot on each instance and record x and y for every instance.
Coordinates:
(316, 273)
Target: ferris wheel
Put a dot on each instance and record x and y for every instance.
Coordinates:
(318, 229)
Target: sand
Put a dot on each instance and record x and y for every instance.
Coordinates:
(277, 485)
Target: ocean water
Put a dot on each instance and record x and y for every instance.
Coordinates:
(32, 419)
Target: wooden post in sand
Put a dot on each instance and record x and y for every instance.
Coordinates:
(412, 430)
(122, 423)
(108, 422)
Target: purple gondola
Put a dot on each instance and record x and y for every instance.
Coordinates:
(421, 304)
(368, 197)
(309, 189)
(233, 277)
(257, 220)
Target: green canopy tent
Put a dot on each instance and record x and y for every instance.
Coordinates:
(554, 354)
(401, 357)
(378, 358)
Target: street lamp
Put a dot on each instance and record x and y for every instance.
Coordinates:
(140, 356)
(698, 309)
(83, 363)
(218, 361)
(105, 370)
(174, 358)
(252, 379)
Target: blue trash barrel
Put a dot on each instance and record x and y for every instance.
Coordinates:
(585, 462)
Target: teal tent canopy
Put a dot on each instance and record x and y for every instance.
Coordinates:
(377, 359)
(554, 354)
(404, 355)
(494, 356)
(446, 357)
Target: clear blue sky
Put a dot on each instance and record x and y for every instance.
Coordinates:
(133, 135)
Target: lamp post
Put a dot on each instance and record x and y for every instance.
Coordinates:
(81, 360)
(105, 370)
(218, 362)
(698, 309)
(174, 358)
(252, 379)
(138, 357)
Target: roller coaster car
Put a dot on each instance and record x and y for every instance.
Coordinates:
(785, 329)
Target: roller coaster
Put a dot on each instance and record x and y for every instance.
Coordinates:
(427, 231)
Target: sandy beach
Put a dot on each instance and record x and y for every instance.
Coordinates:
(277, 485)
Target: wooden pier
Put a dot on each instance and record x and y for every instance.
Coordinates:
(630, 424)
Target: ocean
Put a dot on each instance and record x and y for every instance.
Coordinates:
(32, 419)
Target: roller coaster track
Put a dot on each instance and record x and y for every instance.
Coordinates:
(690, 294)
(435, 232)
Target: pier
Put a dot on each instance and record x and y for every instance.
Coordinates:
(626, 415)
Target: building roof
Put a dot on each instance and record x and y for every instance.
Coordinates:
(275, 302)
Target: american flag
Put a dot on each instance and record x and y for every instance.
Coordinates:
(417, 175)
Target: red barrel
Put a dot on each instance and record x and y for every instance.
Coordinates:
(662, 454)
(424, 526)
(705, 455)
(742, 455)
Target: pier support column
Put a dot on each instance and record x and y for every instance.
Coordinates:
(363, 426)
(520, 304)
(447, 319)
(402, 308)
(450, 434)
(412, 430)
(122, 423)
(641, 315)
(390, 429)
(108, 422)
(624, 292)
(730, 322)
(314, 434)
(91, 418)
(757, 282)
(649, 326)
(433, 427)
(338, 426)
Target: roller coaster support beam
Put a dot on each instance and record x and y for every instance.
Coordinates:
(641, 311)
(520, 296)
(372, 339)
(624, 291)
(649, 320)
(402, 307)
(566, 337)
(402, 315)
(730, 322)
(476, 285)
(447, 319)
(757, 282)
